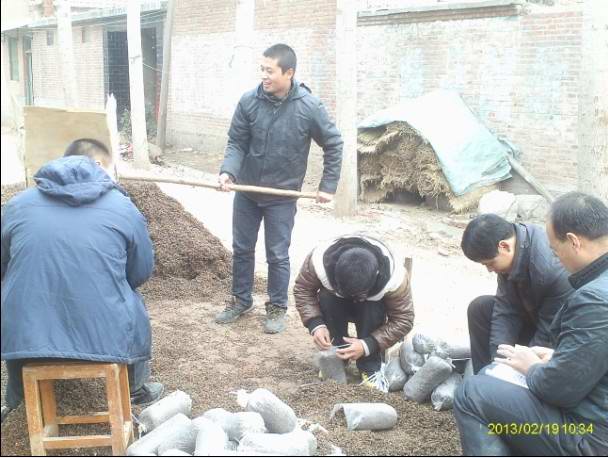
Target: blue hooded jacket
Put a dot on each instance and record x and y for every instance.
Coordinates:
(73, 251)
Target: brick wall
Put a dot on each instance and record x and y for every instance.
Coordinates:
(517, 72)
(88, 57)
(212, 65)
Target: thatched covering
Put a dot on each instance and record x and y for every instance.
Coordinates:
(396, 158)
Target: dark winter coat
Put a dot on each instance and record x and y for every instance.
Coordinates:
(532, 293)
(73, 251)
(393, 287)
(269, 141)
(576, 376)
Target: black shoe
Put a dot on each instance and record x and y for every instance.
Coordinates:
(148, 393)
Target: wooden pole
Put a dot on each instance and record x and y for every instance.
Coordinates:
(161, 134)
(136, 86)
(530, 179)
(112, 122)
(234, 187)
(66, 53)
(346, 104)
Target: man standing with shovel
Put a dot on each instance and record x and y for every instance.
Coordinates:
(268, 145)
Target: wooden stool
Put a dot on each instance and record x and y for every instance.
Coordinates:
(43, 422)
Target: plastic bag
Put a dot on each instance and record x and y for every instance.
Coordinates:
(295, 443)
(176, 430)
(236, 425)
(395, 376)
(420, 386)
(211, 439)
(442, 397)
(410, 361)
(161, 411)
(367, 415)
(278, 417)
(331, 367)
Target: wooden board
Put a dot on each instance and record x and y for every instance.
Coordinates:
(49, 131)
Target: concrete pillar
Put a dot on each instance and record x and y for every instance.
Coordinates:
(346, 104)
(136, 86)
(66, 53)
(242, 64)
(593, 101)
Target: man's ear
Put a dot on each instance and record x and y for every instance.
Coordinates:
(505, 245)
(290, 72)
(574, 240)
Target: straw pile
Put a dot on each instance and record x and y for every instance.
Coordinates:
(396, 158)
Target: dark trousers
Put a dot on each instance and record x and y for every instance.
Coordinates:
(484, 405)
(278, 219)
(139, 373)
(479, 315)
(367, 316)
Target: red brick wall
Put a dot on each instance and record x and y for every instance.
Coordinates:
(207, 83)
(88, 58)
(518, 73)
(204, 16)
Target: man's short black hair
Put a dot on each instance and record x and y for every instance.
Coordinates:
(482, 235)
(89, 147)
(285, 56)
(356, 272)
(580, 214)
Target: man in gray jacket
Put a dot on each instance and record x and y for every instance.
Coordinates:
(564, 409)
(532, 286)
(268, 145)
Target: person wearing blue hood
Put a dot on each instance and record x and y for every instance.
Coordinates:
(74, 250)
(268, 145)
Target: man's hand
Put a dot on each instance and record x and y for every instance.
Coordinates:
(321, 338)
(544, 353)
(224, 181)
(354, 351)
(518, 357)
(324, 197)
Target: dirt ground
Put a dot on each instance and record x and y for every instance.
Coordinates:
(210, 362)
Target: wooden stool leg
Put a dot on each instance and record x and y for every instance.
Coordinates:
(115, 411)
(34, 414)
(126, 398)
(49, 407)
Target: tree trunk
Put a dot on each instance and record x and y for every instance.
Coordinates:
(346, 105)
(66, 53)
(593, 102)
(136, 86)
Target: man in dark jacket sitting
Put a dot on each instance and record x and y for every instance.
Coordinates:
(355, 279)
(564, 410)
(532, 286)
(268, 144)
(74, 250)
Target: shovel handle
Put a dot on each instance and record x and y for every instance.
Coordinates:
(233, 187)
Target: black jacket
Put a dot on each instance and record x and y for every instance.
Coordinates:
(576, 377)
(269, 140)
(532, 293)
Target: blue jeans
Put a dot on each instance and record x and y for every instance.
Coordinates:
(139, 373)
(484, 405)
(278, 219)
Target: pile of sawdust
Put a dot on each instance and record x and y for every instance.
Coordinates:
(9, 191)
(187, 256)
(395, 158)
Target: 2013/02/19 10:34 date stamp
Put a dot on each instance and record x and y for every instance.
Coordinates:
(537, 429)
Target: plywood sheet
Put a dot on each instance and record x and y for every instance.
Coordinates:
(49, 131)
